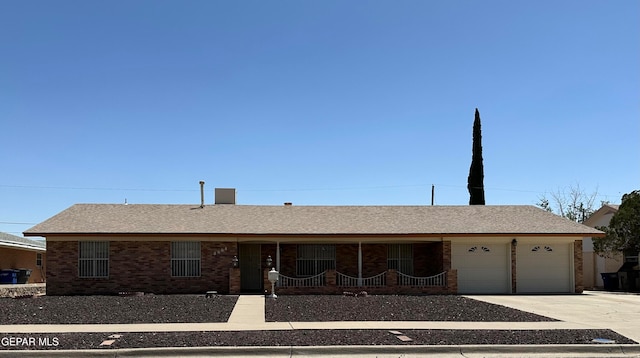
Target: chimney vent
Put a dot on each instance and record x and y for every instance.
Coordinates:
(201, 194)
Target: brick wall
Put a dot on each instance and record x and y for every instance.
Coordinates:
(452, 281)
(136, 266)
(347, 259)
(514, 271)
(234, 281)
(446, 255)
(577, 265)
(374, 259)
(427, 258)
(267, 250)
(288, 254)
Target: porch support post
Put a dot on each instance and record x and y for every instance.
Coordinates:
(278, 256)
(359, 263)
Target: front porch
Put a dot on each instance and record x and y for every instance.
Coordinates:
(374, 268)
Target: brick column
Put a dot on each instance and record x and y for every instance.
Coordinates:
(330, 276)
(446, 255)
(452, 281)
(234, 281)
(577, 266)
(265, 280)
(514, 272)
(392, 278)
(330, 282)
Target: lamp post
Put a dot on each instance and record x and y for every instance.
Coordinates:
(273, 278)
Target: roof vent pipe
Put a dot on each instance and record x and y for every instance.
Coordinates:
(288, 204)
(201, 194)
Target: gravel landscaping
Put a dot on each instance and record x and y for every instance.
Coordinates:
(198, 309)
(116, 309)
(391, 308)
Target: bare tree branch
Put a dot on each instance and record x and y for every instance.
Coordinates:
(571, 202)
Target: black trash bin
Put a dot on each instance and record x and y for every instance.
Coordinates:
(23, 276)
(610, 280)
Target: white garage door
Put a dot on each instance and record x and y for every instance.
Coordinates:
(544, 268)
(482, 268)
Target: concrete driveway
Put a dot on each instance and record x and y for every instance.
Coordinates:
(593, 309)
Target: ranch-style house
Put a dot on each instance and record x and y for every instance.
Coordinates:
(229, 248)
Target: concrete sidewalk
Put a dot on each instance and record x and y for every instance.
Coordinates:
(270, 326)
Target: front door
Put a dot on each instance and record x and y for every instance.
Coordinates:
(250, 268)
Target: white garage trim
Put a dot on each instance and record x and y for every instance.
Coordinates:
(483, 267)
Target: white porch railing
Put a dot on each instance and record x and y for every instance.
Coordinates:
(313, 281)
(343, 280)
(436, 280)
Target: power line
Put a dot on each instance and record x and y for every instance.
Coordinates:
(90, 188)
(15, 223)
(286, 190)
(339, 188)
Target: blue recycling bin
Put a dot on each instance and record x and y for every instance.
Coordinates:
(8, 277)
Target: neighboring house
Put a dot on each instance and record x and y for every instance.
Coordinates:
(107, 248)
(21, 253)
(594, 264)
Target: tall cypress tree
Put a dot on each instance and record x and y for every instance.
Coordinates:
(475, 182)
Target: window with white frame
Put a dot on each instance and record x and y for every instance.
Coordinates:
(185, 259)
(314, 259)
(400, 258)
(38, 259)
(93, 259)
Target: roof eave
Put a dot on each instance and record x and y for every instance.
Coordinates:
(457, 234)
(22, 247)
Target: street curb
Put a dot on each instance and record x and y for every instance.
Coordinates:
(577, 350)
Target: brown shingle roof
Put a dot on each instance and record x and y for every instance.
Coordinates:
(300, 220)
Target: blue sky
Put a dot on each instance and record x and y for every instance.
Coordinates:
(315, 103)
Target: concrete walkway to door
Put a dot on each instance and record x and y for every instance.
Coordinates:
(248, 310)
